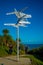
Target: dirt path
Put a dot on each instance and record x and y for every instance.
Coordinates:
(12, 60)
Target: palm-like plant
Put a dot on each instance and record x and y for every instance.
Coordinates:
(1, 40)
(5, 31)
(7, 39)
(5, 35)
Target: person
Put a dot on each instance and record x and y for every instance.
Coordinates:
(10, 48)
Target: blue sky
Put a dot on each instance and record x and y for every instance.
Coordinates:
(34, 31)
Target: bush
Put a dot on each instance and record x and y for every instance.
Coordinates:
(3, 52)
(34, 61)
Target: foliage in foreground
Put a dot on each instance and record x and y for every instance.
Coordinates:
(34, 61)
(6, 41)
(38, 53)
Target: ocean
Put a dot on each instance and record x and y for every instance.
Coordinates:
(32, 46)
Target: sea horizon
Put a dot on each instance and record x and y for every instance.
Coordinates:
(33, 46)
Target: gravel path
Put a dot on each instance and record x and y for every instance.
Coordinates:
(12, 60)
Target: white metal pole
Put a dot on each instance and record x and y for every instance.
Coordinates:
(18, 43)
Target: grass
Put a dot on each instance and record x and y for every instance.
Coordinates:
(34, 61)
(2, 52)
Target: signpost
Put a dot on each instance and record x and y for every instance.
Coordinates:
(20, 22)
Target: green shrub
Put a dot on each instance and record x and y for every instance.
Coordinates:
(3, 52)
(34, 61)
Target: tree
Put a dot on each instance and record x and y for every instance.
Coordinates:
(5, 34)
(18, 40)
(7, 39)
(5, 31)
(1, 40)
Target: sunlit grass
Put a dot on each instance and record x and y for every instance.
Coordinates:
(34, 61)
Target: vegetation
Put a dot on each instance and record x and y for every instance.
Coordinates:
(8, 45)
(38, 53)
(33, 60)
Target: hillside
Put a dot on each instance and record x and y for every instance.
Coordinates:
(8, 46)
(38, 53)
